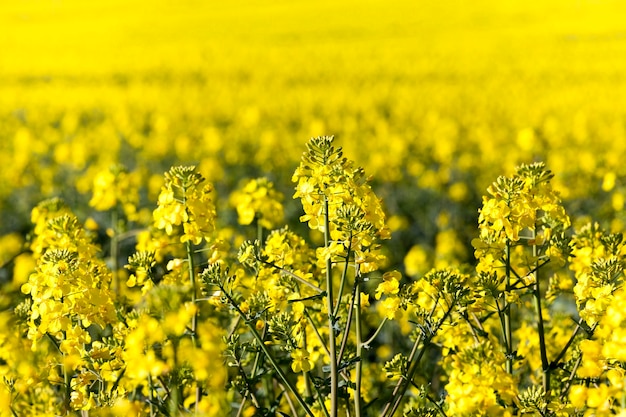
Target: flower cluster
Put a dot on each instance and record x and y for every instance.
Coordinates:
(258, 199)
(116, 186)
(521, 210)
(598, 264)
(184, 200)
(535, 327)
(337, 197)
(70, 302)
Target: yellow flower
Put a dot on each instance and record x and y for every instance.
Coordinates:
(390, 284)
(301, 361)
(390, 308)
(592, 363)
(259, 200)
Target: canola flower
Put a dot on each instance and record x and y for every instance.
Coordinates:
(299, 315)
(71, 91)
(295, 318)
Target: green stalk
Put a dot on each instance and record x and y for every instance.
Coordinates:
(344, 277)
(572, 375)
(115, 250)
(413, 360)
(175, 398)
(346, 331)
(278, 369)
(334, 380)
(376, 332)
(151, 387)
(66, 381)
(259, 233)
(507, 313)
(402, 385)
(194, 319)
(281, 374)
(540, 330)
(359, 345)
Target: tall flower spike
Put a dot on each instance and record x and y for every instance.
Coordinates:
(326, 180)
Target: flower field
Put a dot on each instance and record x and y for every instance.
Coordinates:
(181, 235)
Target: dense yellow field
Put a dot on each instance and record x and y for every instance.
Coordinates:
(434, 99)
(461, 91)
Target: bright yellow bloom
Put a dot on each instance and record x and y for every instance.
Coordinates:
(301, 361)
(258, 199)
(390, 284)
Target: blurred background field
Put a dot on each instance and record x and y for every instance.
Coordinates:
(434, 99)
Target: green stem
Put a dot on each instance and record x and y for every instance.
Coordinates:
(289, 401)
(346, 331)
(545, 365)
(291, 274)
(241, 406)
(151, 388)
(378, 329)
(334, 380)
(176, 398)
(413, 360)
(567, 345)
(68, 390)
(507, 313)
(502, 321)
(359, 345)
(253, 371)
(344, 277)
(570, 379)
(316, 331)
(281, 374)
(320, 399)
(194, 318)
(115, 250)
(401, 386)
(278, 369)
(259, 233)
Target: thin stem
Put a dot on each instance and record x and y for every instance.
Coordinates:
(115, 250)
(255, 368)
(356, 305)
(194, 318)
(316, 331)
(502, 321)
(570, 379)
(334, 380)
(295, 276)
(289, 401)
(436, 405)
(545, 365)
(320, 399)
(241, 405)
(346, 331)
(278, 369)
(414, 359)
(268, 354)
(378, 329)
(344, 277)
(151, 394)
(507, 313)
(401, 386)
(176, 397)
(567, 345)
(307, 381)
(68, 390)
